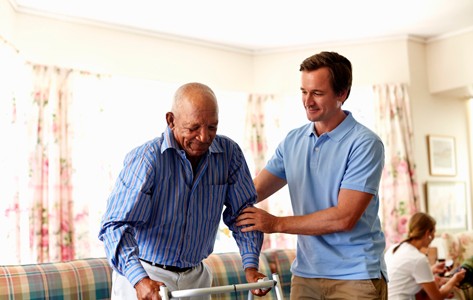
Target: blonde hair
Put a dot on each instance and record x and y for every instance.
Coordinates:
(419, 224)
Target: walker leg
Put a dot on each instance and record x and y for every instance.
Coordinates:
(164, 292)
(278, 288)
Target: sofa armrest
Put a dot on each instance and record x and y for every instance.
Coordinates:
(280, 261)
(77, 279)
(227, 269)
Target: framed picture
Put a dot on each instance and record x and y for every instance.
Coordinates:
(442, 159)
(446, 202)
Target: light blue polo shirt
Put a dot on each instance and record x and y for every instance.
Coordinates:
(316, 167)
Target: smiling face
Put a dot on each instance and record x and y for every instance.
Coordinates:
(321, 103)
(194, 121)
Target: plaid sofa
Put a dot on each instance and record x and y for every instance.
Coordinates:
(91, 279)
(280, 262)
(77, 279)
(227, 270)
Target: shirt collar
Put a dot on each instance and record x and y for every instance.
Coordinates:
(340, 131)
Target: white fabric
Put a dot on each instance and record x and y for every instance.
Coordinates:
(407, 269)
(199, 277)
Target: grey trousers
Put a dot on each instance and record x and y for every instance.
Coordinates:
(198, 277)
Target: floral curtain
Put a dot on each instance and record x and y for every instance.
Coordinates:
(51, 230)
(36, 163)
(43, 218)
(399, 188)
(255, 135)
(255, 139)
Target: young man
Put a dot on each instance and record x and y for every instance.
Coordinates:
(332, 167)
(163, 214)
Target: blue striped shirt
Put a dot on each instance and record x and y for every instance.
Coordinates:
(161, 212)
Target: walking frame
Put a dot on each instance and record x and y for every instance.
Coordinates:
(264, 283)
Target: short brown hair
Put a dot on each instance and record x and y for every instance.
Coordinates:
(339, 66)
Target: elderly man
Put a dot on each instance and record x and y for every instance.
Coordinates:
(163, 214)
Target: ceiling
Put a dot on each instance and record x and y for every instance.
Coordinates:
(261, 25)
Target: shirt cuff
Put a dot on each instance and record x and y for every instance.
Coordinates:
(250, 260)
(135, 272)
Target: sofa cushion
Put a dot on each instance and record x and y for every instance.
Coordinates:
(227, 269)
(77, 279)
(280, 261)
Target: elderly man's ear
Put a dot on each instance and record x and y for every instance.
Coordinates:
(170, 119)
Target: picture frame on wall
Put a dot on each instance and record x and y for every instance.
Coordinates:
(442, 157)
(446, 203)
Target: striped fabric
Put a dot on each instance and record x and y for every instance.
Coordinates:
(78, 279)
(161, 211)
(227, 270)
(280, 261)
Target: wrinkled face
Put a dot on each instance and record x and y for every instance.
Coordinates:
(319, 100)
(194, 125)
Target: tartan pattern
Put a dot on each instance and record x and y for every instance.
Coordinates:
(78, 279)
(90, 279)
(280, 261)
(227, 269)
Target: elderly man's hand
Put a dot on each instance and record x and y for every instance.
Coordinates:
(252, 275)
(148, 289)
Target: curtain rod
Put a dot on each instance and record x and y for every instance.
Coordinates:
(4, 40)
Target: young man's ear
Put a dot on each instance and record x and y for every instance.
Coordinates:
(170, 119)
(343, 96)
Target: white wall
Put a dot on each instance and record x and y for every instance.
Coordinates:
(435, 115)
(105, 50)
(6, 19)
(450, 63)
(378, 61)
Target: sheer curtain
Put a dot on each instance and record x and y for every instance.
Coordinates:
(51, 226)
(256, 121)
(36, 164)
(112, 115)
(399, 188)
(256, 143)
(15, 94)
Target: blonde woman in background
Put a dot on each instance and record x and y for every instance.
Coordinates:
(409, 271)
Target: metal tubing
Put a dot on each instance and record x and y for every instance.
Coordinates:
(278, 287)
(164, 292)
(223, 289)
(261, 284)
